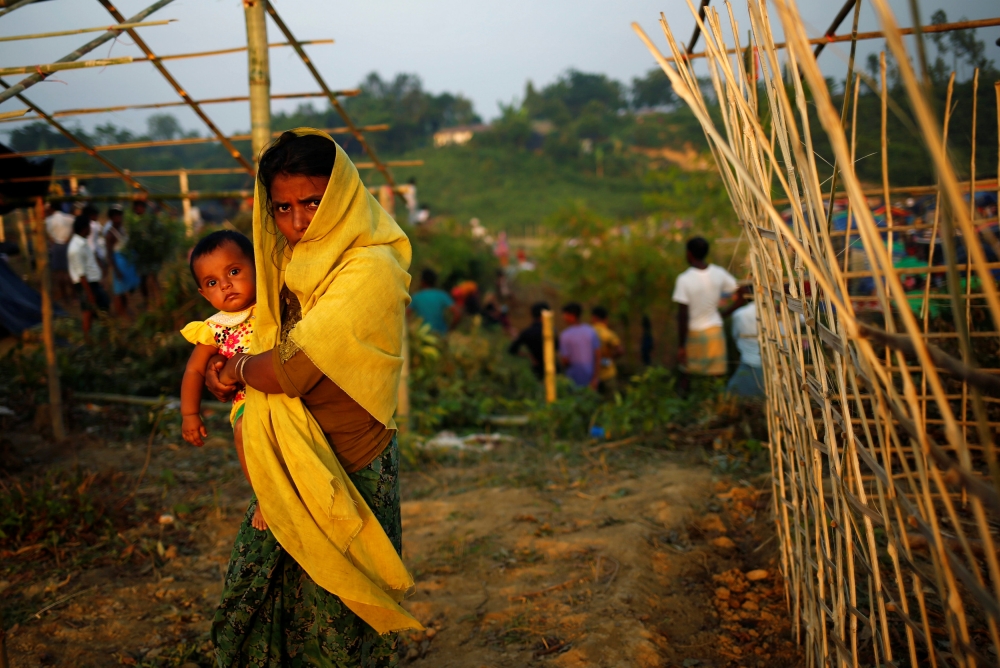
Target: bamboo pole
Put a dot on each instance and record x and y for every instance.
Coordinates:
(835, 25)
(259, 74)
(182, 178)
(549, 356)
(79, 31)
(12, 115)
(30, 81)
(168, 142)
(164, 105)
(226, 52)
(944, 27)
(387, 199)
(334, 102)
(12, 6)
(49, 68)
(179, 89)
(48, 334)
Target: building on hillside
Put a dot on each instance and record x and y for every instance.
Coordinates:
(458, 135)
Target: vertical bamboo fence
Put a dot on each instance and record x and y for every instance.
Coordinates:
(883, 415)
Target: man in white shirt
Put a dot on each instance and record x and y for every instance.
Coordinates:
(701, 342)
(85, 273)
(748, 381)
(59, 229)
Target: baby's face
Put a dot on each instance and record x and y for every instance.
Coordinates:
(226, 278)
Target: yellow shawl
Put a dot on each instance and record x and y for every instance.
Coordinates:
(349, 274)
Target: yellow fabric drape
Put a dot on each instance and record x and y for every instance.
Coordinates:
(349, 274)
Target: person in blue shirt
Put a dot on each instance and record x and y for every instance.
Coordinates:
(433, 305)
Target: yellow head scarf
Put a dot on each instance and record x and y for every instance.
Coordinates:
(349, 274)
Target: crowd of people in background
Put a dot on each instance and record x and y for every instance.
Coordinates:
(588, 348)
(94, 264)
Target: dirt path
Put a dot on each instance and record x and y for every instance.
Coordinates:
(525, 555)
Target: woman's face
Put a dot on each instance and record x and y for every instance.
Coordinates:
(295, 199)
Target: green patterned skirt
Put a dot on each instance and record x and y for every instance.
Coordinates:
(273, 615)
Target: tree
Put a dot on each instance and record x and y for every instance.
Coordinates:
(652, 91)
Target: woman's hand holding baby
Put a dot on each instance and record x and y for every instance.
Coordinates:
(223, 391)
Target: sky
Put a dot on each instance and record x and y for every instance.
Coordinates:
(486, 50)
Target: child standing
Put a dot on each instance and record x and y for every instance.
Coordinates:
(701, 343)
(85, 273)
(223, 266)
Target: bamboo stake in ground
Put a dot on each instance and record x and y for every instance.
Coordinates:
(182, 178)
(259, 74)
(549, 356)
(48, 335)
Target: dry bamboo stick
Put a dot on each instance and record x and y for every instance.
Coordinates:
(49, 68)
(7, 115)
(180, 90)
(908, 190)
(259, 77)
(78, 31)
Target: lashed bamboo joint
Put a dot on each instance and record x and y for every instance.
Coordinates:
(883, 417)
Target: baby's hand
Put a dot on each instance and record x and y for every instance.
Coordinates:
(193, 430)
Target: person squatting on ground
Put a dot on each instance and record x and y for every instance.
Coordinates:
(701, 341)
(223, 267)
(531, 338)
(579, 348)
(85, 273)
(322, 585)
(611, 349)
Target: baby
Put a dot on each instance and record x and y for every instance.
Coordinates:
(223, 266)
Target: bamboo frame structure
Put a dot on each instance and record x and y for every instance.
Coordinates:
(883, 422)
(30, 81)
(180, 90)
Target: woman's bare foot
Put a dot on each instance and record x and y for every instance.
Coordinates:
(258, 521)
